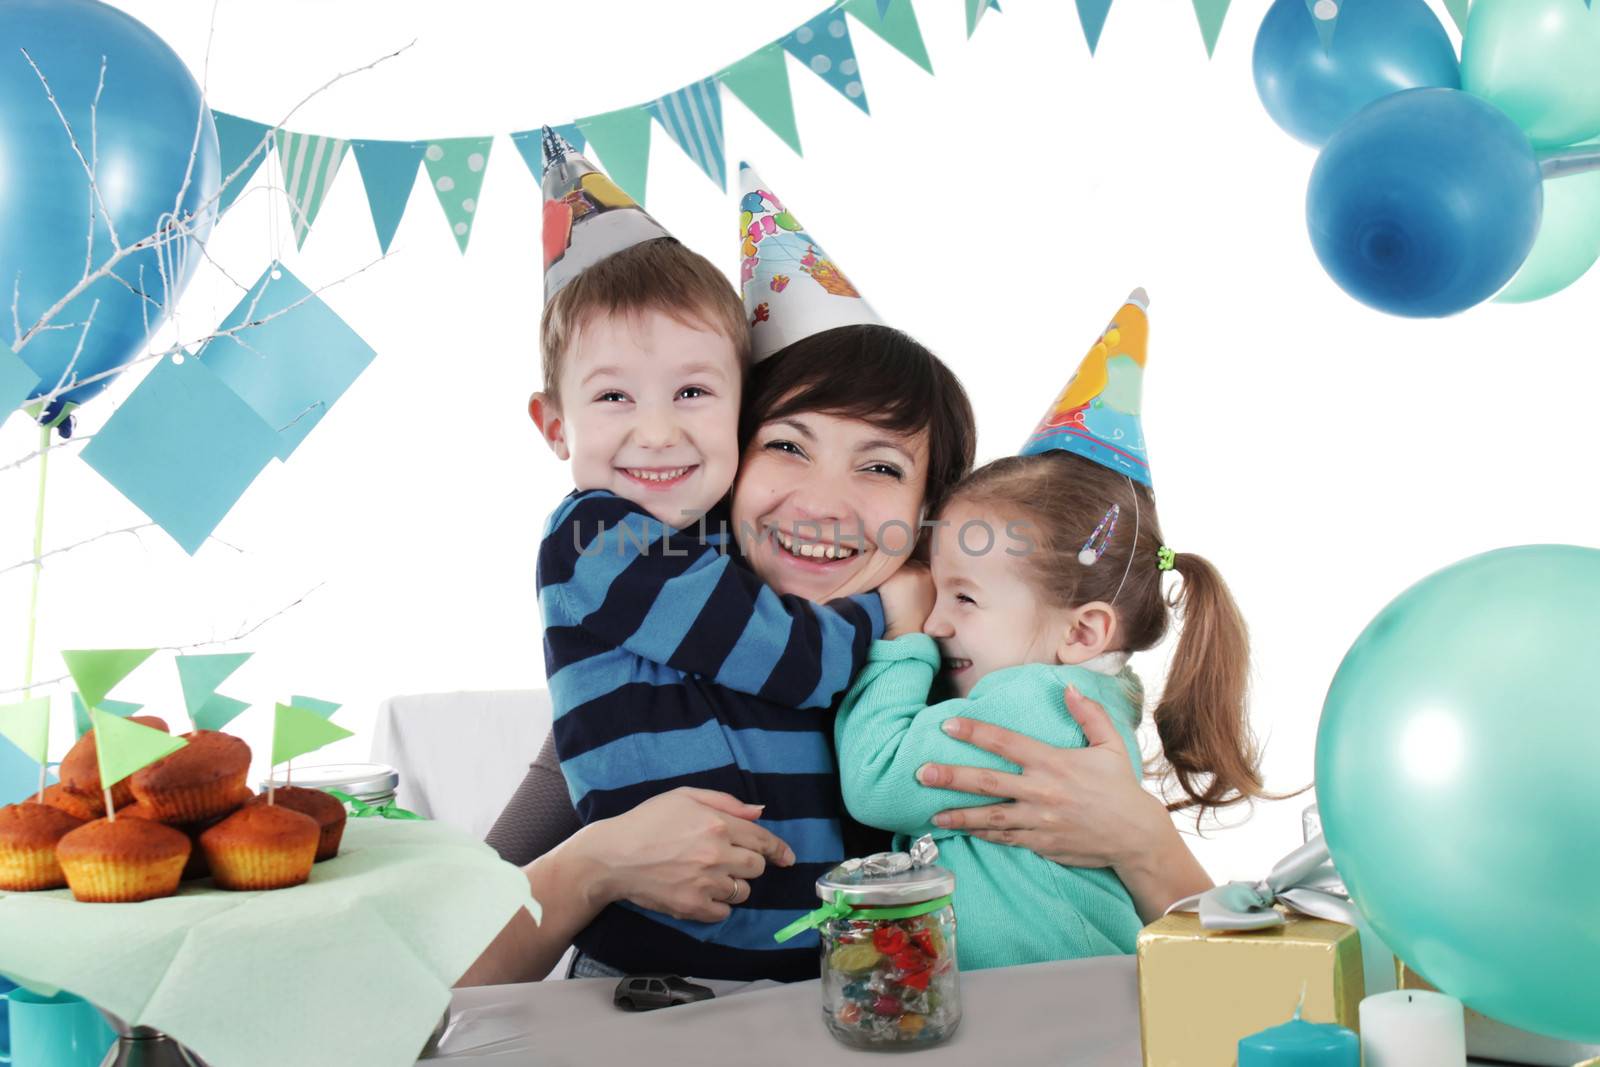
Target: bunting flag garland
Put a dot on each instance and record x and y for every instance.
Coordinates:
(692, 117)
(241, 143)
(455, 167)
(1092, 13)
(309, 165)
(823, 45)
(898, 27)
(761, 82)
(1211, 13)
(622, 140)
(388, 171)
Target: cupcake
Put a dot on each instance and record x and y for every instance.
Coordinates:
(123, 861)
(328, 812)
(200, 781)
(261, 846)
(28, 835)
(80, 770)
(197, 867)
(84, 806)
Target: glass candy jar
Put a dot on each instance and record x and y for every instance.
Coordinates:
(888, 933)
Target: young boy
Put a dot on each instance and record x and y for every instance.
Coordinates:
(670, 663)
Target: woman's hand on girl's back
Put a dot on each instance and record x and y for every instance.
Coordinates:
(690, 853)
(908, 597)
(1081, 807)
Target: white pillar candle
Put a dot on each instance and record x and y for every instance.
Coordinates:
(1413, 1028)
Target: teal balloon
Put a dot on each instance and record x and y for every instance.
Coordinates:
(1456, 779)
(1569, 239)
(1539, 62)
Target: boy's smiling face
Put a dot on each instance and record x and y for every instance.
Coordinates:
(649, 409)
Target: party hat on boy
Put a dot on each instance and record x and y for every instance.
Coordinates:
(791, 288)
(1097, 414)
(586, 216)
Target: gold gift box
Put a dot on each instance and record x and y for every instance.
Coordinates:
(1493, 1040)
(1200, 990)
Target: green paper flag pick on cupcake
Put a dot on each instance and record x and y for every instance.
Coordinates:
(217, 712)
(200, 675)
(97, 672)
(26, 724)
(297, 730)
(123, 746)
(325, 708)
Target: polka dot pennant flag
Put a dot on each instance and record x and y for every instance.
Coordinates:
(823, 44)
(455, 170)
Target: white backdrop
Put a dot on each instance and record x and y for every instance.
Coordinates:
(1323, 455)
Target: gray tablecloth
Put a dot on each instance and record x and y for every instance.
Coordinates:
(1081, 1012)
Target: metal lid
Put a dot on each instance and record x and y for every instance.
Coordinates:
(889, 879)
(360, 780)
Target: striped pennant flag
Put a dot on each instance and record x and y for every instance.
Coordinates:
(692, 117)
(309, 165)
(242, 144)
(823, 45)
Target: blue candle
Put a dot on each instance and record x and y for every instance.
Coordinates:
(1298, 1043)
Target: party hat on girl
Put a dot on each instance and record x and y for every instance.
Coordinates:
(1097, 414)
(791, 288)
(586, 216)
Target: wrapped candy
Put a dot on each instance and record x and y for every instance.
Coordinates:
(888, 933)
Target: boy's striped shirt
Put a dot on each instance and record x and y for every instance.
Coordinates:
(672, 664)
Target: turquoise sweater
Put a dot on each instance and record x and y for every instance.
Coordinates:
(1012, 906)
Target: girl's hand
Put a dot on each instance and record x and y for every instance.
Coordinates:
(1081, 807)
(907, 600)
(690, 853)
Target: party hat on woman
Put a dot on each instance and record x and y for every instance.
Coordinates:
(586, 216)
(1097, 414)
(791, 288)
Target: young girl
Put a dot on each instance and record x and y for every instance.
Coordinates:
(1047, 571)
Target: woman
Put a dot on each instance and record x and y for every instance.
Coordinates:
(861, 430)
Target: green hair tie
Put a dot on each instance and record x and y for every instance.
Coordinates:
(1164, 558)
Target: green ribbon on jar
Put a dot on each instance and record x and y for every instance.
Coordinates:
(834, 909)
(360, 809)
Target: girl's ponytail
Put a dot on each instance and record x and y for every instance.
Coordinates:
(1202, 718)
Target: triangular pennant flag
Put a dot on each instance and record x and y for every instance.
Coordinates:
(325, 708)
(388, 170)
(310, 164)
(123, 746)
(242, 144)
(1211, 13)
(200, 675)
(1458, 13)
(19, 775)
(122, 709)
(622, 140)
(96, 672)
(26, 724)
(530, 143)
(883, 7)
(692, 117)
(823, 45)
(761, 82)
(1325, 14)
(1092, 13)
(455, 169)
(898, 27)
(296, 731)
(217, 712)
(976, 9)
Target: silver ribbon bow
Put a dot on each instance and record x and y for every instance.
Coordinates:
(1301, 880)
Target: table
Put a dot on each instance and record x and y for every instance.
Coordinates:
(1080, 1012)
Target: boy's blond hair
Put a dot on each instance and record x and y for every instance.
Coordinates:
(660, 275)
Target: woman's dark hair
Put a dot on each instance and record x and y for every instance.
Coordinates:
(878, 375)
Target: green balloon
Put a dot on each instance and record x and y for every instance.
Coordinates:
(1569, 239)
(1456, 770)
(1539, 62)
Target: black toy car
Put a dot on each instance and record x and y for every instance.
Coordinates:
(646, 992)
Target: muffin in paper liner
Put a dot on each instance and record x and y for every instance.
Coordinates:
(28, 835)
(200, 781)
(123, 861)
(261, 846)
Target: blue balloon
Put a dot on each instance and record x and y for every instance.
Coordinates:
(1425, 203)
(150, 123)
(1379, 47)
(1456, 783)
